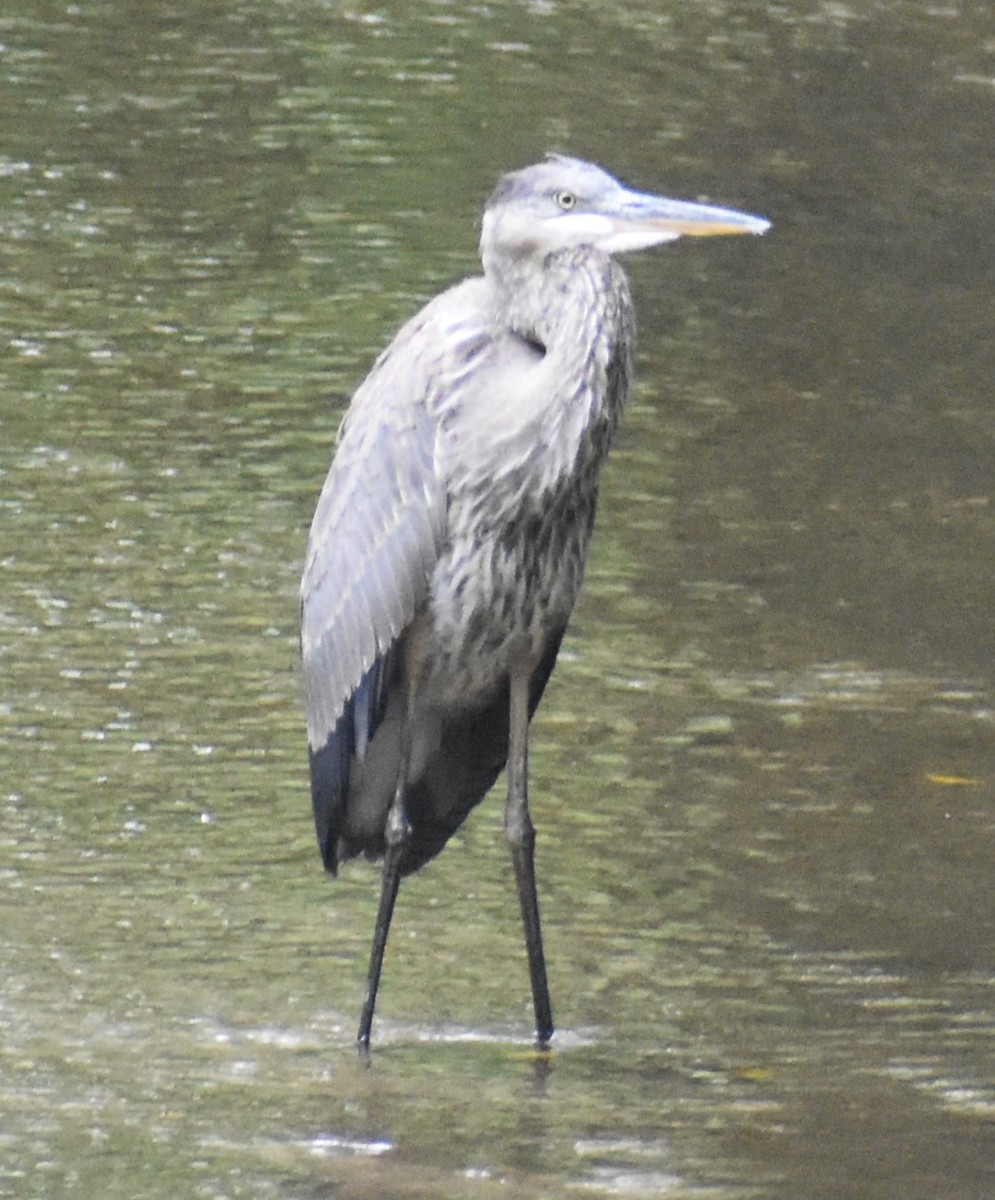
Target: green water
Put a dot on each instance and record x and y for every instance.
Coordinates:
(763, 772)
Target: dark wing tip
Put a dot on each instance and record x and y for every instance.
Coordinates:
(329, 778)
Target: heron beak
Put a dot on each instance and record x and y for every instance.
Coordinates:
(702, 220)
(644, 220)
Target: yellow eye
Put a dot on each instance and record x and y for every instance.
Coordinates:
(566, 200)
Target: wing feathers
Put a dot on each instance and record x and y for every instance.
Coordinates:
(377, 534)
(374, 542)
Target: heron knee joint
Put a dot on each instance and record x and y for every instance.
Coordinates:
(397, 831)
(521, 832)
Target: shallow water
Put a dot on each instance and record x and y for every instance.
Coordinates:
(763, 771)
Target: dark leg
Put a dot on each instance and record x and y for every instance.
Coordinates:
(521, 839)
(396, 834)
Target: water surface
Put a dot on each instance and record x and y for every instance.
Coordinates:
(763, 771)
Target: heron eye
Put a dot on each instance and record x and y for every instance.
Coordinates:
(566, 200)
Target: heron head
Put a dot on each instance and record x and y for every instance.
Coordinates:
(565, 202)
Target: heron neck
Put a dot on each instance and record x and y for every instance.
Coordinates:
(576, 306)
(568, 302)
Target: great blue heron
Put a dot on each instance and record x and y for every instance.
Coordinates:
(449, 541)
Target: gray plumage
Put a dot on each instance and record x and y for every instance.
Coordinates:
(448, 545)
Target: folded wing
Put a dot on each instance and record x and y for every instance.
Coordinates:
(375, 539)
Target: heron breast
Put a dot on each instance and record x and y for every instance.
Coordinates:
(502, 590)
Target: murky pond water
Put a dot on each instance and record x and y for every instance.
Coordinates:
(763, 774)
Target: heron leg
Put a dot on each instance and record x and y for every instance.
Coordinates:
(521, 839)
(397, 834)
